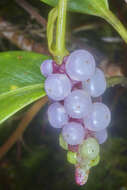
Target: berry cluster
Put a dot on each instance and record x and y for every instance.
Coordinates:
(75, 88)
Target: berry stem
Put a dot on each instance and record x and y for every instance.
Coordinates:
(57, 46)
(60, 30)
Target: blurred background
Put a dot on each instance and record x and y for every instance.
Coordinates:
(36, 161)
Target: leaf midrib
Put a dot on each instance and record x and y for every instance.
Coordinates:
(21, 89)
(17, 91)
(102, 9)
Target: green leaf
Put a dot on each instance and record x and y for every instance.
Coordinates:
(93, 7)
(21, 82)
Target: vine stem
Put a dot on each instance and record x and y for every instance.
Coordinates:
(22, 126)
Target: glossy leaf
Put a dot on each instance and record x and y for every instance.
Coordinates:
(21, 82)
(93, 7)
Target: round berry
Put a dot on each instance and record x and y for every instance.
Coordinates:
(57, 86)
(78, 104)
(80, 65)
(99, 118)
(101, 136)
(73, 133)
(47, 67)
(89, 148)
(97, 84)
(57, 115)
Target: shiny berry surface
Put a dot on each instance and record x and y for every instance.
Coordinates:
(57, 86)
(97, 84)
(47, 67)
(57, 115)
(99, 118)
(101, 136)
(80, 65)
(73, 133)
(78, 104)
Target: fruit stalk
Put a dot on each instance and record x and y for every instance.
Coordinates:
(60, 50)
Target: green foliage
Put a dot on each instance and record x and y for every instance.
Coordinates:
(21, 82)
(94, 7)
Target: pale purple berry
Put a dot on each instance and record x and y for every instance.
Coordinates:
(47, 67)
(99, 118)
(57, 115)
(78, 104)
(101, 136)
(57, 86)
(97, 84)
(73, 133)
(80, 65)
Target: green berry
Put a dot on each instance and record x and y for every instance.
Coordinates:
(89, 149)
(72, 157)
(62, 142)
(95, 161)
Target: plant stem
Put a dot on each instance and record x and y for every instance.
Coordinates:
(118, 26)
(60, 50)
(61, 25)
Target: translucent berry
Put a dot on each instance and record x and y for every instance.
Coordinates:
(78, 104)
(62, 142)
(72, 157)
(101, 136)
(99, 118)
(89, 148)
(80, 65)
(97, 84)
(47, 67)
(57, 115)
(95, 161)
(57, 86)
(73, 133)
